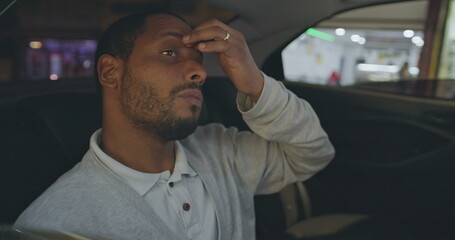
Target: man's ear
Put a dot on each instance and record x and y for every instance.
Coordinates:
(109, 71)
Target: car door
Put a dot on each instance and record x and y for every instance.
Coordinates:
(394, 133)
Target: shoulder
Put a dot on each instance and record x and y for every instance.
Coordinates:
(215, 129)
(68, 198)
(210, 141)
(210, 134)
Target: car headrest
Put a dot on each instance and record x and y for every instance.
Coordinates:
(220, 97)
(67, 120)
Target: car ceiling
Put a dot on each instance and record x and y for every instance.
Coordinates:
(269, 25)
(269, 16)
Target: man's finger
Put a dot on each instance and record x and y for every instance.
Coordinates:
(213, 46)
(208, 34)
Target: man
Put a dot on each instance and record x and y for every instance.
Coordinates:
(150, 173)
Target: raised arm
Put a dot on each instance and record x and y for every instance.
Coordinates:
(289, 143)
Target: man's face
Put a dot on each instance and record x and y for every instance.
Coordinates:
(160, 89)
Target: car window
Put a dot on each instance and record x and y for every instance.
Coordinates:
(49, 40)
(377, 47)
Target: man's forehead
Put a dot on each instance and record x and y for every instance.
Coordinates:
(162, 24)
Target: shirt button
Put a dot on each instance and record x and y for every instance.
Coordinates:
(171, 184)
(186, 206)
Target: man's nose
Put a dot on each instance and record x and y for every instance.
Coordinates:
(196, 72)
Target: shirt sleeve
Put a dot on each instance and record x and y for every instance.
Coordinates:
(289, 143)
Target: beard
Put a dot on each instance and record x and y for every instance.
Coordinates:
(146, 110)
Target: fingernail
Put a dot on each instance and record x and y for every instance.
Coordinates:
(186, 37)
(201, 45)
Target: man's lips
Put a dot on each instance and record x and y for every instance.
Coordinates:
(192, 96)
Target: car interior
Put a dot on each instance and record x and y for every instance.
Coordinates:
(393, 173)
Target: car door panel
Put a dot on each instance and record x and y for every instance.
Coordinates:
(390, 158)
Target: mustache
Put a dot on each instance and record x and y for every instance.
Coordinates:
(182, 87)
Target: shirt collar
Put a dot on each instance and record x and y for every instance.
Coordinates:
(181, 166)
(140, 181)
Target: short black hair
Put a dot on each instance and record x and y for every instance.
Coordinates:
(118, 39)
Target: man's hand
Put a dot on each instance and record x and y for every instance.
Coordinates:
(233, 54)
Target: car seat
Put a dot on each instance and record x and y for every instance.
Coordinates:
(67, 120)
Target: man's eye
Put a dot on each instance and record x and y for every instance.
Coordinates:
(169, 52)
